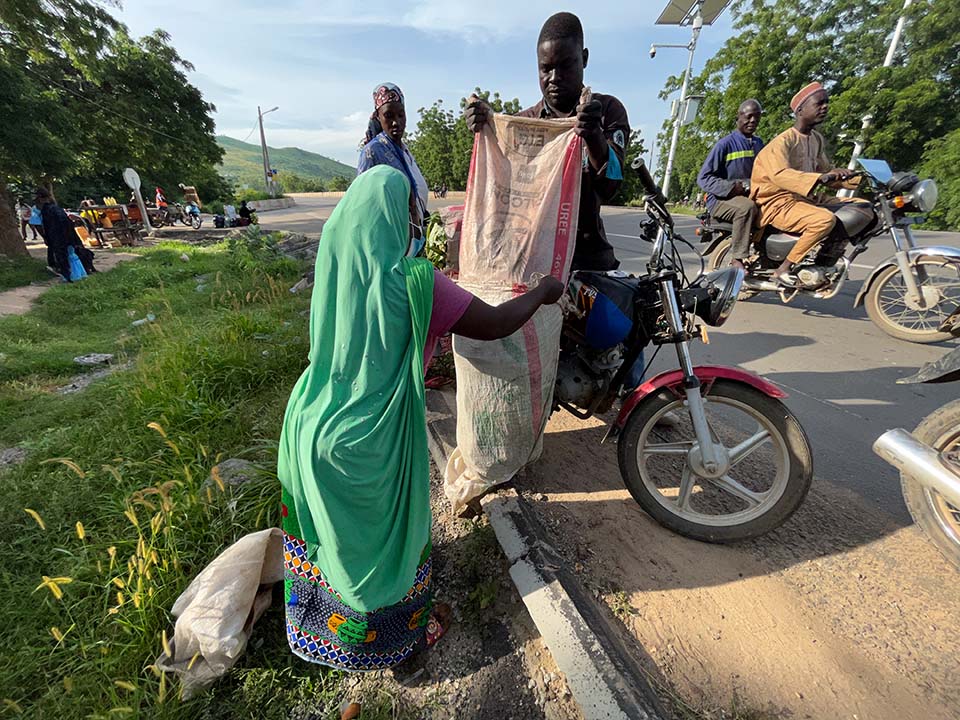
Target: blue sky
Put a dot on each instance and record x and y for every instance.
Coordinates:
(319, 61)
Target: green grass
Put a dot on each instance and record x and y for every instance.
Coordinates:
(21, 270)
(126, 458)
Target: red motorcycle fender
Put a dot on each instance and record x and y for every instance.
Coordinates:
(673, 380)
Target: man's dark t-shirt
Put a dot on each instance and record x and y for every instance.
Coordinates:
(593, 252)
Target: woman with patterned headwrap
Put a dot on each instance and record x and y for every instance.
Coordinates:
(383, 144)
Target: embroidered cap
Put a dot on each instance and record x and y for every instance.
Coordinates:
(801, 97)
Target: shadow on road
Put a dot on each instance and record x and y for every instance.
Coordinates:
(593, 499)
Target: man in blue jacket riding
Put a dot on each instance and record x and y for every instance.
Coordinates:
(725, 177)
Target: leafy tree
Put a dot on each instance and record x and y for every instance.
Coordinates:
(780, 46)
(90, 101)
(442, 143)
(291, 182)
(339, 183)
(941, 160)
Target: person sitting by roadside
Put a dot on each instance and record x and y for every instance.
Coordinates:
(794, 182)
(383, 143)
(601, 123)
(725, 177)
(352, 458)
(246, 212)
(59, 235)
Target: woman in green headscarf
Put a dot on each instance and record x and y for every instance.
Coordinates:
(353, 456)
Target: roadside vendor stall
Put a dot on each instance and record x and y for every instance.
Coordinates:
(113, 225)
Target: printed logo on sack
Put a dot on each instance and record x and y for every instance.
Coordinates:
(618, 138)
(563, 232)
(525, 175)
(527, 141)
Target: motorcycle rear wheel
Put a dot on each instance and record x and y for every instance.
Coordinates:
(887, 306)
(761, 437)
(938, 519)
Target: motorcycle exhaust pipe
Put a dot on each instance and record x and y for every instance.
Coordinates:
(751, 284)
(919, 461)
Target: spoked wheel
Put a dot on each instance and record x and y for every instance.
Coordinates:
(195, 221)
(764, 473)
(939, 519)
(720, 257)
(893, 312)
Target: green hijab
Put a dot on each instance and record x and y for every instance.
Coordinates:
(353, 457)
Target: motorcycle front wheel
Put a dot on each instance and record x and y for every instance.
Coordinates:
(719, 258)
(939, 519)
(891, 311)
(766, 463)
(196, 221)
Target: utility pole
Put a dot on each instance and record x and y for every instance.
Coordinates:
(267, 173)
(887, 62)
(678, 118)
(683, 13)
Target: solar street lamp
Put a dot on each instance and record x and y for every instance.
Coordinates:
(694, 14)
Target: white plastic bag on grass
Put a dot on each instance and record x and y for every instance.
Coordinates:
(216, 613)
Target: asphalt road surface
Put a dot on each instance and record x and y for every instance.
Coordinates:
(839, 369)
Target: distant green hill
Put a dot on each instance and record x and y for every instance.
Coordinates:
(243, 163)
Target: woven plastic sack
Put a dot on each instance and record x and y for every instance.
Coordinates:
(520, 220)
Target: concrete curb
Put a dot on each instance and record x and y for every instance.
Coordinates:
(605, 681)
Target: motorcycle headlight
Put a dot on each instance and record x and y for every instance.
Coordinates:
(713, 296)
(923, 195)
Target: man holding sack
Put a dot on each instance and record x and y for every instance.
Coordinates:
(601, 123)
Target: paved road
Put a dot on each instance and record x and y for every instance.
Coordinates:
(839, 369)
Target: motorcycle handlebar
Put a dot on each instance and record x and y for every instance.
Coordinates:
(646, 180)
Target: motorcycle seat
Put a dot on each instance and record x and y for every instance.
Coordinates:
(716, 225)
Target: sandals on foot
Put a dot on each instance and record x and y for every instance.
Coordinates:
(441, 617)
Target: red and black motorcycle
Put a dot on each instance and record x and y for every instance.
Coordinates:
(710, 452)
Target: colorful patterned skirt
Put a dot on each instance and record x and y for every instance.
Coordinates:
(322, 629)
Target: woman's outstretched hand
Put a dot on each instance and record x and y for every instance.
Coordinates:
(550, 289)
(486, 322)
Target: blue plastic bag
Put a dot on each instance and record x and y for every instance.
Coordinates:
(76, 267)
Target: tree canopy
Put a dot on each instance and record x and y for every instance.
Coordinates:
(778, 47)
(91, 100)
(442, 143)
